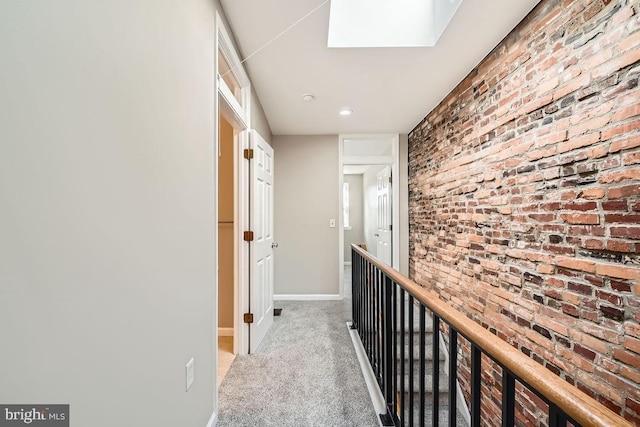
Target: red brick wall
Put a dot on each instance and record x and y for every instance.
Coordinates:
(524, 188)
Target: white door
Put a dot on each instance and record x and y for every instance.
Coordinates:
(383, 234)
(261, 252)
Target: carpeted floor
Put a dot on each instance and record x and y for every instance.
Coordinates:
(305, 373)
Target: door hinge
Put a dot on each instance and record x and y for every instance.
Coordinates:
(390, 227)
(248, 153)
(248, 236)
(390, 180)
(248, 318)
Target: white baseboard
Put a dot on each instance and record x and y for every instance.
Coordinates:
(307, 297)
(377, 399)
(225, 332)
(212, 420)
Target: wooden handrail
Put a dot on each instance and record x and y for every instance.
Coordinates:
(575, 403)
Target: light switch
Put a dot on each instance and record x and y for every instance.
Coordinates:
(332, 223)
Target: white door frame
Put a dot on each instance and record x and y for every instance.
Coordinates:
(372, 160)
(236, 108)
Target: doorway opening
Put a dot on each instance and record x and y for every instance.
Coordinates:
(226, 246)
(368, 203)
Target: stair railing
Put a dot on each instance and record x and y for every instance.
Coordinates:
(379, 294)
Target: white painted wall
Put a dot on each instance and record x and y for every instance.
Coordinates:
(107, 219)
(306, 197)
(356, 215)
(403, 188)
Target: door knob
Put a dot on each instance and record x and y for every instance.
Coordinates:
(274, 245)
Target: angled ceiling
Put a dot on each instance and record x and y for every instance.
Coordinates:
(389, 89)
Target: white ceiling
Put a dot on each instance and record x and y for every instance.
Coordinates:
(389, 89)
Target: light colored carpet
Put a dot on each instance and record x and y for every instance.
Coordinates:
(305, 373)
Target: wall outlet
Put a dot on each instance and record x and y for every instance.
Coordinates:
(189, 373)
(332, 223)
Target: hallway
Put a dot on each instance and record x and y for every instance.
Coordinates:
(305, 373)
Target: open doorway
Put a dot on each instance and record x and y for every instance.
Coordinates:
(367, 216)
(368, 203)
(226, 247)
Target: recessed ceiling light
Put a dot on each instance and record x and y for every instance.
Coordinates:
(307, 97)
(346, 112)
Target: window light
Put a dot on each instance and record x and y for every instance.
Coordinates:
(389, 23)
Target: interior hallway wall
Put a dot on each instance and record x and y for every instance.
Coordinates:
(356, 215)
(107, 253)
(306, 198)
(403, 188)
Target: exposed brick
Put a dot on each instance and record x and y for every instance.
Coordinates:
(580, 218)
(622, 218)
(618, 176)
(625, 232)
(632, 344)
(615, 205)
(588, 206)
(584, 352)
(524, 205)
(625, 191)
(618, 271)
(620, 286)
(620, 129)
(627, 357)
(580, 288)
(620, 246)
(625, 144)
(592, 193)
(576, 264)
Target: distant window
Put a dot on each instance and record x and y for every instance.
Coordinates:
(345, 205)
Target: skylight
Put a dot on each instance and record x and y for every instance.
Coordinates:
(389, 23)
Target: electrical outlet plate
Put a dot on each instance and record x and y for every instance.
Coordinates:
(189, 373)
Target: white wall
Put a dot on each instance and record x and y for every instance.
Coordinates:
(356, 215)
(306, 197)
(107, 219)
(258, 118)
(403, 188)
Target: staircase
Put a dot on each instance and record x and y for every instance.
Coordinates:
(412, 347)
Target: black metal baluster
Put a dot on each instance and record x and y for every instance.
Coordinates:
(436, 370)
(395, 353)
(369, 326)
(374, 325)
(476, 384)
(508, 398)
(422, 365)
(410, 350)
(387, 419)
(453, 375)
(366, 307)
(355, 261)
(557, 418)
(379, 327)
(401, 353)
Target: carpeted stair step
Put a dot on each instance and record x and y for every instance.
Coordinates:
(443, 386)
(428, 326)
(443, 411)
(415, 350)
(443, 420)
